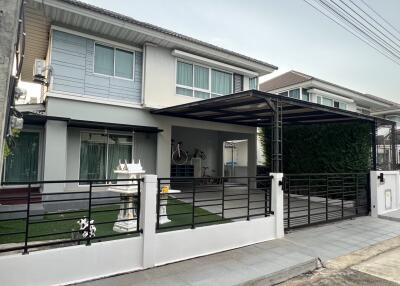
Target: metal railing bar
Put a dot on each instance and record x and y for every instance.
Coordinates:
(53, 233)
(12, 233)
(58, 213)
(68, 181)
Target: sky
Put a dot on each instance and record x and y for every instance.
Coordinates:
(287, 33)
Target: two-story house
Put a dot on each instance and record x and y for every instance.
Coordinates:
(305, 87)
(105, 72)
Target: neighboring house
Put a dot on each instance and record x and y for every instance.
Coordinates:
(301, 86)
(304, 87)
(105, 73)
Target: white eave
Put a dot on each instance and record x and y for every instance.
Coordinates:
(75, 15)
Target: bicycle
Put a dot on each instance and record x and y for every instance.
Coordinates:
(199, 154)
(179, 156)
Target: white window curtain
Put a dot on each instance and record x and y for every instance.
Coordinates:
(201, 77)
(93, 156)
(104, 60)
(119, 148)
(100, 154)
(184, 74)
(123, 64)
(327, 101)
(221, 83)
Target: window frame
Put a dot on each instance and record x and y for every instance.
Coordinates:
(108, 133)
(114, 47)
(193, 88)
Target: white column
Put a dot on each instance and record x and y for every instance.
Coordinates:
(277, 203)
(374, 192)
(55, 155)
(148, 213)
(384, 195)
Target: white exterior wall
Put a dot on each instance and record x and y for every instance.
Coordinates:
(160, 78)
(385, 196)
(55, 155)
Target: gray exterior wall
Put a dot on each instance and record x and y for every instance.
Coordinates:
(72, 58)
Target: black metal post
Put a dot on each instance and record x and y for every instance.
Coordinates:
(248, 198)
(326, 199)
(265, 197)
(393, 146)
(138, 206)
(288, 202)
(28, 207)
(158, 203)
(270, 196)
(223, 199)
(373, 143)
(88, 242)
(357, 203)
(309, 201)
(193, 202)
(343, 197)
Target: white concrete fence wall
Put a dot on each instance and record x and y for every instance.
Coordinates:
(385, 195)
(63, 266)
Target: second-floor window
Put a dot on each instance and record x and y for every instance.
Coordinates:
(331, 102)
(202, 82)
(253, 83)
(113, 61)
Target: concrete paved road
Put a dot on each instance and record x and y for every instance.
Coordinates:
(385, 266)
(353, 270)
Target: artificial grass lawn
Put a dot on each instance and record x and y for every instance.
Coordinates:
(51, 226)
(179, 221)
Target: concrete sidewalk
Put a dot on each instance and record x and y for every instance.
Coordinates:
(268, 262)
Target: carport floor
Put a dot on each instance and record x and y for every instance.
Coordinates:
(268, 258)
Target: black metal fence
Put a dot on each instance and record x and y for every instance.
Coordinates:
(192, 202)
(318, 198)
(33, 219)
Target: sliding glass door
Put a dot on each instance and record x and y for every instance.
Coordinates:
(101, 153)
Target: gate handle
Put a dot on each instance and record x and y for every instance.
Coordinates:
(381, 178)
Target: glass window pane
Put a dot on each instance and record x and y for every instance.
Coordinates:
(342, 105)
(305, 95)
(201, 77)
(184, 74)
(284, 93)
(253, 83)
(119, 149)
(104, 60)
(22, 165)
(221, 82)
(319, 100)
(327, 101)
(93, 156)
(295, 93)
(184, 91)
(200, 94)
(123, 64)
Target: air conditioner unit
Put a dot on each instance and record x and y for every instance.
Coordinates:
(39, 69)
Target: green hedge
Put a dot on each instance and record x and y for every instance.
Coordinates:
(323, 148)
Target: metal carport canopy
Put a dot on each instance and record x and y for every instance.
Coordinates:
(256, 108)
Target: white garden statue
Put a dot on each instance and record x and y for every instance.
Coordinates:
(127, 219)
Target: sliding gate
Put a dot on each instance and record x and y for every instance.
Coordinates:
(318, 198)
